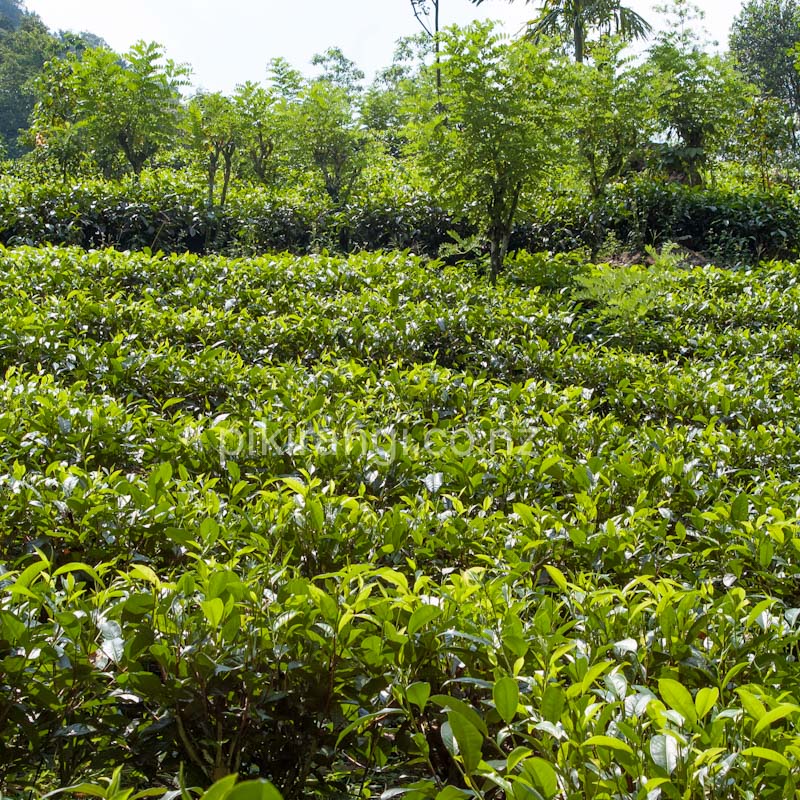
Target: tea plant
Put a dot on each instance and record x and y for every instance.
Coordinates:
(368, 526)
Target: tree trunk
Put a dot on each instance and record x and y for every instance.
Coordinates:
(438, 48)
(227, 155)
(579, 38)
(213, 165)
(502, 211)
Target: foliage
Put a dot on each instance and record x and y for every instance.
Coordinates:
(338, 70)
(127, 109)
(371, 525)
(25, 46)
(573, 19)
(259, 129)
(343, 524)
(729, 226)
(495, 133)
(226, 788)
(161, 213)
(702, 99)
(763, 38)
(11, 13)
(215, 136)
(763, 138)
(329, 138)
(615, 116)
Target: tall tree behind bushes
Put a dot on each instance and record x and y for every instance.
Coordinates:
(615, 116)
(26, 45)
(127, 109)
(764, 41)
(701, 97)
(11, 14)
(215, 135)
(573, 20)
(24, 49)
(497, 132)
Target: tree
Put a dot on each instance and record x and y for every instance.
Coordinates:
(763, 41)
(11, 14)
(423, 11)
(215, 135)
(763, 137)
(574, 19)
(24, 50)
(285, 82)
(135, 104)
(256, 109)
(26, 45)
(329, 137)
(383, 109)
(338, 70)
(129, 107)
(498, 129)
(615, 115)
(57, 134)
(701, 99)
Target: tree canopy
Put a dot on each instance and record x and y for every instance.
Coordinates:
(764, 39)
(575, 19)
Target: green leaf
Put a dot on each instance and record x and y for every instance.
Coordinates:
(27, 577)
(76, 566)
(173, 401)
(366, 720)
(525, 513)
(295, 485)
(506, 698)
(583, 477)
(553, 701)
(89, 789)
(453, 793)
(470, 740)
(418, 694)
(454, 704)
(517, 755)
(751, 704)
(221, 789)
(592, 674)
(316, 512)
(542, 775)
(610, 742)
(768, 755)
(705, 700)
(740, 508)
(255, 790)
(421, 617)
(677, 697)
(144, 573)
(774, 715)
(557, 576)
(665, 752)
(209, 530)
(214, 611)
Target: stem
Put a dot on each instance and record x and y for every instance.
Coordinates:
(190, 750)
(437, 48)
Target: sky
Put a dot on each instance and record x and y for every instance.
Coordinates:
(231, 41)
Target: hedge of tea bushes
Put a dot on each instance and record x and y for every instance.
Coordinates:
(366, 526)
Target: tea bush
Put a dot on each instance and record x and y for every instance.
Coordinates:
(367, 526)
(169, 214)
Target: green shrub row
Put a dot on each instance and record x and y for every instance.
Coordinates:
(533, 542)
(725, 225)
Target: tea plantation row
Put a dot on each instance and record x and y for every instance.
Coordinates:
(369, 527)
(166, 212)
